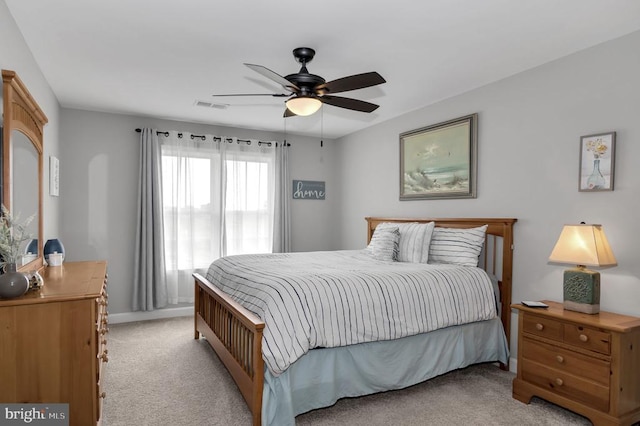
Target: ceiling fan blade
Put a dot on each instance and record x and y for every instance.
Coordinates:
(353, 82)
(349, 103)
(274, 76)
(275, 95)
(289, 113)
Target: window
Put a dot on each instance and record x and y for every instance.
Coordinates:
(218, 200)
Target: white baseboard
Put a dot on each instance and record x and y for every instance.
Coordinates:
(513, 365)
(150, 315)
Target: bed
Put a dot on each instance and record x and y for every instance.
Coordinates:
(280, 384)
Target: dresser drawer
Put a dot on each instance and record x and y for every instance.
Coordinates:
(541, 326)
(567, 385)
(579, 365)
(588, 338)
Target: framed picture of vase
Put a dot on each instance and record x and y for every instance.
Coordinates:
(597, 162)
(440, 161)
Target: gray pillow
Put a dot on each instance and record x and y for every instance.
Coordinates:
(384, 243)
(414, 241)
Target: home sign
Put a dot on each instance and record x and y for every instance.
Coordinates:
(308, 190)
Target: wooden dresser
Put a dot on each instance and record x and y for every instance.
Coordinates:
(53, 341)
(586, 363)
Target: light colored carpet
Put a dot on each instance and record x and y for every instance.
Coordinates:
(158, 374)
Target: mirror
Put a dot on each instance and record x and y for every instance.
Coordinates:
(22, 172)
(25, 186)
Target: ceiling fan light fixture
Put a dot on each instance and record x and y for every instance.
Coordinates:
(303, 105)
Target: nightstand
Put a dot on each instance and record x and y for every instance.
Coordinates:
(586, 363)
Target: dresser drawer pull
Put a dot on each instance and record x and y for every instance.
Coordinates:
(104, 341)
(539, 327)
(560, 358)
(584, 337)
(104, 357)
(103, 395)
(559, 381)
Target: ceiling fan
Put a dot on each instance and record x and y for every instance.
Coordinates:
(307, 92)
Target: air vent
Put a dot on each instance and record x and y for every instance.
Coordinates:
(206, 104)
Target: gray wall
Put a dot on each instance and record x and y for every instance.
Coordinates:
(528, 153)
(16, 56)
(98, 190)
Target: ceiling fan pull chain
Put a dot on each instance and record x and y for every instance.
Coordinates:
(322, 128)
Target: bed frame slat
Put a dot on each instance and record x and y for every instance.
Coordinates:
(235, 334)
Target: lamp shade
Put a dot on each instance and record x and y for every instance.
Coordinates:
(303, 105)
(584, 245)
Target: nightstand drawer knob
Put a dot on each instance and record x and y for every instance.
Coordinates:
(560, 358)
(539, 327)
(559, 382)
(584, 337)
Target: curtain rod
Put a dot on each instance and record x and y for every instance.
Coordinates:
(216, 138)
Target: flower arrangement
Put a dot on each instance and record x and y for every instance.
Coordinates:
(12, 235)
(597, 146)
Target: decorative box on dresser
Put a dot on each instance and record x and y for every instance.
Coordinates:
(53, 341)
(586, 363)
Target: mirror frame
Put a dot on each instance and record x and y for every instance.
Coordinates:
(21, 112)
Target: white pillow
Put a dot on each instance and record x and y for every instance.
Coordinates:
(414, 241)
(384, 243)
(457, 246)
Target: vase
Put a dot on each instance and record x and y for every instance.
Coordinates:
(13, 283)
(53, 245)
(32, 247)
(596, 180)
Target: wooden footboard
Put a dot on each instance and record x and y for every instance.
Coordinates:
(235, 334)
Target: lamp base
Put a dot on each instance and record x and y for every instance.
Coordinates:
(581, 290)
(581, 307)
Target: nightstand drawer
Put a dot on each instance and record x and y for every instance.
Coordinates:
(584, 391)
(588, 338)
(583, 366)
(540, 326)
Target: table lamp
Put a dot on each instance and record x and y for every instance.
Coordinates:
(582, 245)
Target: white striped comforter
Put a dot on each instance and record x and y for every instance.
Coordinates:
(339, 298)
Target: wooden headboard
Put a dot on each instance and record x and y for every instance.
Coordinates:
(496, 258)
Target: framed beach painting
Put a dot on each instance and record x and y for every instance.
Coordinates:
(440, 161)
(597, 161)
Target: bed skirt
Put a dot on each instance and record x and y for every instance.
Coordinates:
(322, 376)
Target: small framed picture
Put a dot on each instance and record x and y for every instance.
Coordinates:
(597, 162)
(54, 176)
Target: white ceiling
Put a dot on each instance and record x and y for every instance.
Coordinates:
(157, 57)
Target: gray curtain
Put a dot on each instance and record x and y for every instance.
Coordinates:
(282, 213)
(150, 287)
